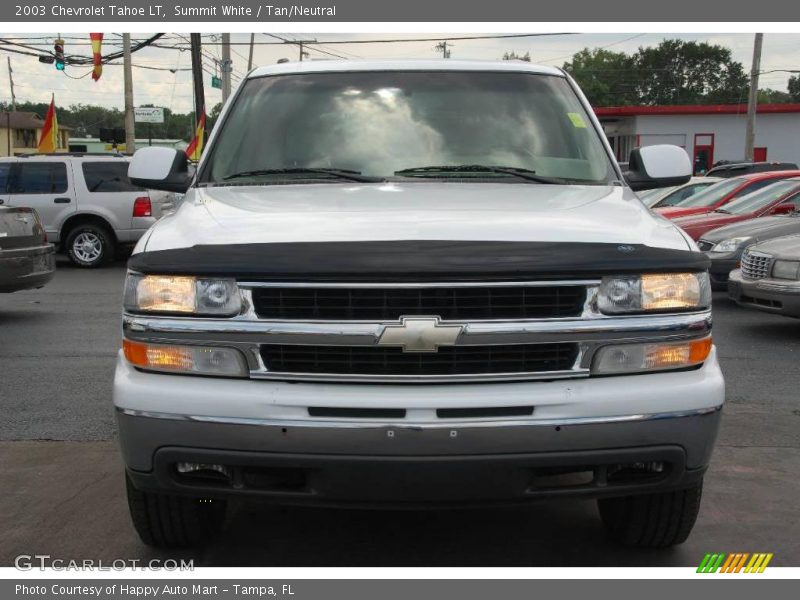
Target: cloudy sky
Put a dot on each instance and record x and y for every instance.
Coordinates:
(35, 81)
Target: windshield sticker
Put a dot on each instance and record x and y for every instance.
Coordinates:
(577, 120)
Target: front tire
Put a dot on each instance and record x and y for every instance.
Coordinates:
(89, 246)
(167, 521)
(652, 520)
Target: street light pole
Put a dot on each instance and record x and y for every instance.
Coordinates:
(197, 75)
(752, 99)
(250, 55)
(130, 132)
(11, 82)
(225, 66)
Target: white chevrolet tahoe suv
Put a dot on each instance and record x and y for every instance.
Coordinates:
(415, 284)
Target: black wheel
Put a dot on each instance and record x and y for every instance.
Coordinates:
(89, 245)
(167, 521)
(652, 520)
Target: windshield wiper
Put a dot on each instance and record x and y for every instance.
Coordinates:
(520, 172)
(339, 173)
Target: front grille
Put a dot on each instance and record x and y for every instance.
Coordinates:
(390, 303)
(755, 265)
(449, 360)
(705, 245)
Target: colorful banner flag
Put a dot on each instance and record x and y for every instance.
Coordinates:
(48, 143)
(97, 56)
(195, 148)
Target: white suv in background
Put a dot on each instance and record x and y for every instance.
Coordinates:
(88, 205)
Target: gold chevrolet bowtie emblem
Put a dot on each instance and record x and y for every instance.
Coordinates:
(420, 334)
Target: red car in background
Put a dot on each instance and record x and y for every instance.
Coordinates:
(723, 192)
(778, 198)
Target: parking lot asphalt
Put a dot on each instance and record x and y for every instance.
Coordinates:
(62, 490)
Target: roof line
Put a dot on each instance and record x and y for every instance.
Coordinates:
(693, 109)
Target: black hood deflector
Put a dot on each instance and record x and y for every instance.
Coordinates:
(416, 260)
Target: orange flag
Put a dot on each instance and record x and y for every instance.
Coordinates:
(195, 148)
(49, 141)
(97, 57)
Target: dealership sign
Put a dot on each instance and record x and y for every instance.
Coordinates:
(148, 114)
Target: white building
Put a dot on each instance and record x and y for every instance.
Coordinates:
(709, 133)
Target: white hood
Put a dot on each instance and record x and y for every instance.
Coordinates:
(411, 211)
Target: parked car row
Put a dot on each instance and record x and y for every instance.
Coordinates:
(749, 226)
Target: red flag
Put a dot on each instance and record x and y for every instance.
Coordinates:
(97, 57)
(48, 143)
(195, 148)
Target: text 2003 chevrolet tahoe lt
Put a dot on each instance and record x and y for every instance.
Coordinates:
(415, 284)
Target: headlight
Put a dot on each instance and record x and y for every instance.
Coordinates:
(181, 294)
(657, 356)
(731, 244)
(786, 269)
(198, 360)
(653, 293)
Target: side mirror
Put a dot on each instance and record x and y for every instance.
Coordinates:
(159, 168)
(658, 166)
(784, 208)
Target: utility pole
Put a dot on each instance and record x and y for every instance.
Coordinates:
(197, 76)
(250, 55)
(226, 66)
(130, 131)
(11, 83)
(752, 99)
(442, 46)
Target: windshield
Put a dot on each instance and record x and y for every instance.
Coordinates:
(712, 194)
(377, 124)
(676, 196)
(761, 198)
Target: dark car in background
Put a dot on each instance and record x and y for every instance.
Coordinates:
(769, 278)
(779, 198)
(26, 259)
(724, 245)
(744, 168)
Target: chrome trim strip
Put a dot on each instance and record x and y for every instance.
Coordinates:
(575, 372)
(444, 424)
(773, 285)
(350, 333)
(401, 284)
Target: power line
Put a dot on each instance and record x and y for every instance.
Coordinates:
(404, 40)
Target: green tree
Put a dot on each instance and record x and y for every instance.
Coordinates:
(687, 72)
(607, 78)
(770, 96)
(514, 56)
(213, 116)
(794, 88)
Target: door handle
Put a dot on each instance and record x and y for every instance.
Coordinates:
(62, 200)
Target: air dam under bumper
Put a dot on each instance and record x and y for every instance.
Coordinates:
(403, 463)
